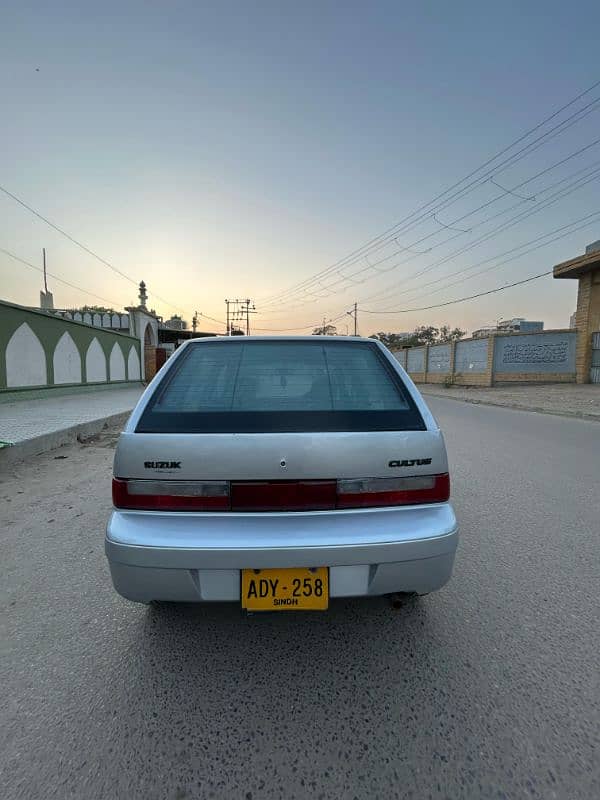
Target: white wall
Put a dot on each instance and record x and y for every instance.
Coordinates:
(66, 361)
(133, 365)
(95, 363)
(117, 364)
(25, 359)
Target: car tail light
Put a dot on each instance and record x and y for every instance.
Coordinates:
(151, 495)
(317, 495)
(372, 492)
(283, 495)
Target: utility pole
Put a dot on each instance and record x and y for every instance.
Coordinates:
(354, 315)
(250, 309)
(239, 311)
(194, 322)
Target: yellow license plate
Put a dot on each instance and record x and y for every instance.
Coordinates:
(298, 589)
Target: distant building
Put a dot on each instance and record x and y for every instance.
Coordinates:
(586, 270)
(519, 325)
(593, 248)
(515, 325)
(480, 333)
(176, 323)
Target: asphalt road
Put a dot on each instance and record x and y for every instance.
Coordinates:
(488, 689)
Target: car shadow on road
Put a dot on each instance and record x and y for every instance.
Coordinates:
(364, 634)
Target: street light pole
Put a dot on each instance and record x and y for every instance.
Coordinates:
(354, 315)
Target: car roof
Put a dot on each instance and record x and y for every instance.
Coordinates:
(262, 338)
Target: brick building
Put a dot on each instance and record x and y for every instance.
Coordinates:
(586, 269)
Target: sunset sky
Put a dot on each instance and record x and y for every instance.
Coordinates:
(239, 148)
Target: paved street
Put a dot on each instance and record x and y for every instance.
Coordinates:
(488, 689)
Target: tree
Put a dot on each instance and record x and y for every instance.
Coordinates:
(325, 330)
(447, 335)
(393, 340)
(96, 309)
(426, 334)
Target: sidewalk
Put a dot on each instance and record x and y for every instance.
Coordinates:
(566, 399)
(28, 427)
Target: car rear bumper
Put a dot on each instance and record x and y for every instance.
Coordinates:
(191, 557)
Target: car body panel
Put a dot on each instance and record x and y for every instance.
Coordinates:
(197, 556)
(283, 456)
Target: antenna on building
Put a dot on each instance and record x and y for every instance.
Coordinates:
(46, 299)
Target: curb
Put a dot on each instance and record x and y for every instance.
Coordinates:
(517, 407)
(19, 451)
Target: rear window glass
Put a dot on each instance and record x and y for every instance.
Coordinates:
(280, 386)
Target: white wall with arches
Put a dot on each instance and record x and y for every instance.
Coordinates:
(133, 365)
(41, 349)
(25, 359)
(66, 361)
(117, 364)
(95, 363)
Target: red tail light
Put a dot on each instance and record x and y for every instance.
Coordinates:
(373, 492)
(171, 495)
(318, 495)
(283, 495)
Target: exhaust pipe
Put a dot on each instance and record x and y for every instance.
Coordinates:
(399, 599)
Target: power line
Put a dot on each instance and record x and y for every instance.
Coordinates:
(81, 245)
(461, 299)
(212, 319)
(414, 217)
(495, 199)
(543, 203)
(510, 223)
(587, 221)
(56, 278)
(500, 153)
(352, 275)
(527, 150)
(301, 327)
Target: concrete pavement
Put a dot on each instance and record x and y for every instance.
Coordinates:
(32, 426)
(487, 689)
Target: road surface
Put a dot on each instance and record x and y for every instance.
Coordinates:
(488, 689)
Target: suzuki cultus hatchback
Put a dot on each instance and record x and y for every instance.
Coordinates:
(278, 473)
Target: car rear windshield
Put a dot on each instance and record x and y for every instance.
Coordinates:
(280, 386)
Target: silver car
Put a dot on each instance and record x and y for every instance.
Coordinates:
(280, 472)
